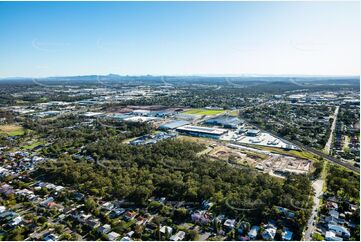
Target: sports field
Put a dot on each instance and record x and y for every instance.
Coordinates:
(203, 111)
(11, 129)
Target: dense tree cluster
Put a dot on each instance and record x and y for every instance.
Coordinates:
(344, 183)
(69, 133)
(172, 169)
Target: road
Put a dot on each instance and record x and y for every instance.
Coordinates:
(333, 126)
(317, 186)
(328, 157)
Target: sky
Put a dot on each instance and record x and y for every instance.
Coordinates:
(40, 39)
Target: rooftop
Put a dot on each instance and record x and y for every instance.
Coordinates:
(201, 129)
(174, 124)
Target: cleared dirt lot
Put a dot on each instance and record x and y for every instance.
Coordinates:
(236, 156)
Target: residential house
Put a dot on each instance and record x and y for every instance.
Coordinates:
(252, 234)
(178, 236)
(202, 217)
(25, 193)
(78, 196)
(331, 205)
(116, 213)
(334, 213)
(107, 206)
(15, 221)
(2, 209)
(207, 205)
(287, 234)
(112, 236)
(46, 202)
(331, 236)
(51, 237)
(230, 223)
(130, 215)
(166, 229)
(8, 215)
(339, 230)
(104, 229)
(353, 207)
(93, 223)
(125, 239)
(286, 212)
(270, 232)
(140, 220)
(130, 234)
(6, 190)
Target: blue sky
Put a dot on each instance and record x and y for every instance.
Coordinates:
(179, 38)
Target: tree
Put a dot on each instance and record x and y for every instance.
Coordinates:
(193, 234)
(138, 230)
(317, 237)
(278, 235)
(59, 228)
(90, 205)
(180, 214)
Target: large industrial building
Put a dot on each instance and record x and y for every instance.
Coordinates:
(202, 131)
(173, 124)
(225, 121)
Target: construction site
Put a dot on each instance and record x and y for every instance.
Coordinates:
(267, 162)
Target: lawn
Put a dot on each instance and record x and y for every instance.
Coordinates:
(202, 111)
(346, 143)
(32, 145)
(200, 140)
(11, 129)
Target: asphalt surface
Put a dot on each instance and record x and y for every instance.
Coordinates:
(333, 126)
(311, 224)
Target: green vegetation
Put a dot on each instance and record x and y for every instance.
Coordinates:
(70, 140)
(12, 129)
(317, 237)
(345, 147)
(33, 145)
(300, 154)
(343, 183)
(202, 111)
(173, 170)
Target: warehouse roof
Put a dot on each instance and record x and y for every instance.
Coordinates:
(174, 124)
(200, 129)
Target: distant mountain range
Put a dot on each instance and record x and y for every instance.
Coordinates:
(120, 77)
(179, 80)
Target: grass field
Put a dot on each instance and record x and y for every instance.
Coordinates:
(202, 140)
(202, 111)
(32, 145)
(11, 129)
(346, 143)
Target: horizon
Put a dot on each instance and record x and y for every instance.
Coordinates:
(191, 75)
(49, 39)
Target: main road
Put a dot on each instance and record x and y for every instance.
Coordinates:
(311, 224)
(333, 126)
